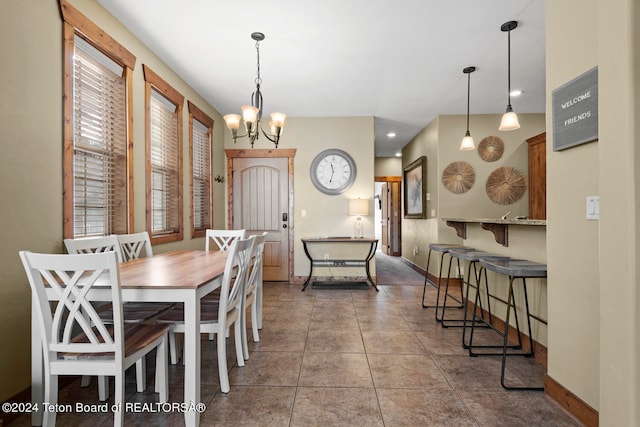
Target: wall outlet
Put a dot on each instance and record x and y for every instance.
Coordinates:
(326, 257)
(415, 250)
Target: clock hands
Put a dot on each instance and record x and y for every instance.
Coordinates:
(331, 178)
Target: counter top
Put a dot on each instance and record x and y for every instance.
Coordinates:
(499, 221)
(499, 227)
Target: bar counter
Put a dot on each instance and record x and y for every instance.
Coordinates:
(499, 227)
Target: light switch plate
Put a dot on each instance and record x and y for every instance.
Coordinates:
(593, 208)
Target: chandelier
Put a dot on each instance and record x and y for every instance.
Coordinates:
(251, 114)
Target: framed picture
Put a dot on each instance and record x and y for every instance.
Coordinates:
(415, 186)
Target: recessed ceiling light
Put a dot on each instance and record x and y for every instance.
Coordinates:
(516, 92)
(391, 135)
(398, 154)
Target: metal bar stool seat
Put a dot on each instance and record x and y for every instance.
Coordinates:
(514, 269)
(443, 248)
(473, 258)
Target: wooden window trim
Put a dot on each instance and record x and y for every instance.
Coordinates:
(203, 118)
(74, 23)
(96, 36)
(153, 81)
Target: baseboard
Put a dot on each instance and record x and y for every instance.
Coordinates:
(415, 267)
(570, 402)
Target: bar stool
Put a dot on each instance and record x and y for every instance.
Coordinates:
(514, 269)
(443, 248)
(473, 257)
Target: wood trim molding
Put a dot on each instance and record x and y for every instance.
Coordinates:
(571, 403)
(67, 114)
(163, 87)
(387, 179)
(262, 153)
(200, 115)
(107, 44)
(129, 81)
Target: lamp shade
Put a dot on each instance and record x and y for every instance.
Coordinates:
(232, 121)
(359, 207)
(467, 143)
(509, 121)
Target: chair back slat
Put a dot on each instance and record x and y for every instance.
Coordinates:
(135, 245)
(73, 278)
(235, 276)
(256, 266)
(223, 238)
(91, 245)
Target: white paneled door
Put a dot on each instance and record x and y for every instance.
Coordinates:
(261, 203)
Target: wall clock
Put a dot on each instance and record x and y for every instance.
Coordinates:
(333, 171)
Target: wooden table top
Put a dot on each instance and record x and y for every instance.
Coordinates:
(173, 270)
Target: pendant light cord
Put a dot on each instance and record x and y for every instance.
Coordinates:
(509, 69)
(468, 98)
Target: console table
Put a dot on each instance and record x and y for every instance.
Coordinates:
(332, 262)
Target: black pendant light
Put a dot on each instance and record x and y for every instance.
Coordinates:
(467, 142)
(509, 118)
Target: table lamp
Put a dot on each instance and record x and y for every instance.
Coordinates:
(358, 207)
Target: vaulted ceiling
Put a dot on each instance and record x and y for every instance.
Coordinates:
(399, 61)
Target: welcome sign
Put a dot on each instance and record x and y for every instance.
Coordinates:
(575, 111)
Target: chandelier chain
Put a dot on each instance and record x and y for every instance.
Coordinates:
(258, 79)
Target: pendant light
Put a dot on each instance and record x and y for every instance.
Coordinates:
(509, 119)
(467, 142)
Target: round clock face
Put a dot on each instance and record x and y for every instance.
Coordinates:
(333, 171)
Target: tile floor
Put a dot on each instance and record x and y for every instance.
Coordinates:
(347, 358)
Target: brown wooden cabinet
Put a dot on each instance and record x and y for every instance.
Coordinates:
(538, 176)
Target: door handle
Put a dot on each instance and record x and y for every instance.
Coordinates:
(285, 217)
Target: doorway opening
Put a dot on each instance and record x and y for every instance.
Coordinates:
(388, 214)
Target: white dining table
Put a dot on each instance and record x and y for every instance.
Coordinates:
(178, 276)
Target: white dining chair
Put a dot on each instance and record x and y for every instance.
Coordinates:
(217, 317)
(135, 245)
(253, 294)
(222, 238)
(99, 348)
(126, 247)
(91, 245)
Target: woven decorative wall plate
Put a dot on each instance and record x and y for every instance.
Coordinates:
(458, 177)
(490, 148)
(506, 185)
